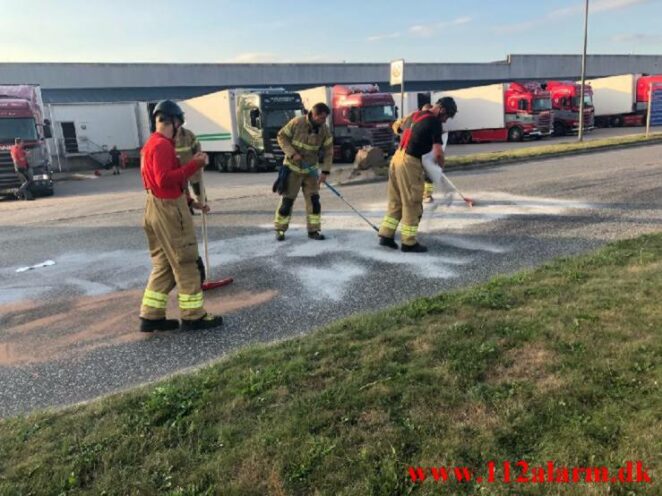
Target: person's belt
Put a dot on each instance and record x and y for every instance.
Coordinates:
(304, 170)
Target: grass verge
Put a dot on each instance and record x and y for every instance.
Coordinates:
(544, 151)
(561, 364)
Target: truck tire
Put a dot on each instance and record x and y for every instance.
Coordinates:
(220, 162)
(347, 153)
(616, 121)
(559, 129)
(237, 163)
(465, 138)
(515, 134)
(252, 161)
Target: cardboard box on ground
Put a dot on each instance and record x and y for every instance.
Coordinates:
(369, 157)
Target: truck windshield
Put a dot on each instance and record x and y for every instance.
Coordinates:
(378, 113)
(588, 101)
(279, 117)
(541, 104)
(17, 128)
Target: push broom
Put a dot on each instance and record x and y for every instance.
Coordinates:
(337, 193)
(209, 283)
(466, 199)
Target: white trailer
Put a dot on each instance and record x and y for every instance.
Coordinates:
(239, 127)
(614, 95)
(413, 101)
(481, 107)
(88, 128)
(213, 118)
(319, 94)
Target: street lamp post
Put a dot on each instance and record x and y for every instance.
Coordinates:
(580, 135)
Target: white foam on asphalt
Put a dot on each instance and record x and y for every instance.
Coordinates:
(330, 282)
(348, 236)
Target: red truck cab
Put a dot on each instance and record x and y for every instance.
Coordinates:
(362, 114)
(21, 117)
(566, 97)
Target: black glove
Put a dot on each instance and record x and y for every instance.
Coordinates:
(201, 269)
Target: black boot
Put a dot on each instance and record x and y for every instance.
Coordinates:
(209, 321)
(388, 242)
(280, 235)
(150, 325)
(417, 248)
(316, 235)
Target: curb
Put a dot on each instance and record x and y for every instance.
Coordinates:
(516, 160)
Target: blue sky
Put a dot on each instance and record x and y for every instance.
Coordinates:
(309, 31)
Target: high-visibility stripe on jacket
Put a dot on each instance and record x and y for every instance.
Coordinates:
(302, 137)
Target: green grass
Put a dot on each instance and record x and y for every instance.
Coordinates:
(562, 364)
(542, 151)
(554, 149)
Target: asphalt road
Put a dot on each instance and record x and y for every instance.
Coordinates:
(68, 332)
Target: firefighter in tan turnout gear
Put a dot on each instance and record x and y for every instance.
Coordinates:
(399, 127)
(303, 139)
(169, 228)
(406, 175)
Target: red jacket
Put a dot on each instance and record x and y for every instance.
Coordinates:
(19, 157)
(162, 173)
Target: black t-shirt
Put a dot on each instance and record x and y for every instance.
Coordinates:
(115, 157)
(424, 134)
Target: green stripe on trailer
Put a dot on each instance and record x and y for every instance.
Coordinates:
(212, 135)
(215, 138)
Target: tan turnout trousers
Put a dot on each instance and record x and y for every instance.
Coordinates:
(309, 184)
(405, 192)
(174, 251)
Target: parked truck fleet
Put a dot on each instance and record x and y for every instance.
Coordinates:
(238, 127)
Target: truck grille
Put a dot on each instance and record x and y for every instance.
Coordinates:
(276, 149)
(383, 138)
(544, 122)
(8, 178)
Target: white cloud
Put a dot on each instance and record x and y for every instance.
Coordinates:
(274, 58)
(427, 30)
(644, 38)
(423, 30)
(255, 58)
(577, 9)
(380, 37)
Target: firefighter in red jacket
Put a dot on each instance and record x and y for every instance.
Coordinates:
(170, 232)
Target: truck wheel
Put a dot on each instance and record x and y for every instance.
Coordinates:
(559, 129)
(616, 121)
(465, 138)
(237, 163)
(221, 162)
(252, 161)
(515, 134)
(347, 153)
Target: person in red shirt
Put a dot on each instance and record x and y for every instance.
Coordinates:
(170, 231)
(22, 167)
